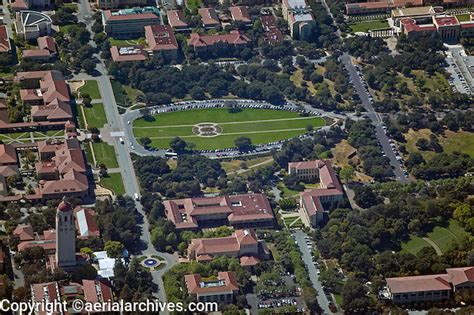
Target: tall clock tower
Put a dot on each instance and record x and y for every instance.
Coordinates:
(65, 236)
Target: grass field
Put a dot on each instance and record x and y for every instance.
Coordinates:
(105, 154)
(193, 4)
(366, 26)
(113, 182)
(463, 17)
(451, 141)
(95, 115)
(260, 125)
(127, 42)
(26, 137)
(458, 141)
(234, 165)
(443, 237)
(92, 88)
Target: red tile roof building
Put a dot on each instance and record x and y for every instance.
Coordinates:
(45, 294)
(61, 169)
(241, 243)
(414, 289)
(92, 291)
(221, 290)
(45, 52)
(448, 27)
(116, 4)
(318, 201)
(130, 53)
(379, 6)
(239, 211)
(5, 46)
(240, 14)
(97, 291)
(161, 39)
(203, 43)
(48, 95)
(8, 155)
(272, 32)
(177, 20)
(129, 23)
(209, 17)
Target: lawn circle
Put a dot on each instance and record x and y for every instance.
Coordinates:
(207, 130)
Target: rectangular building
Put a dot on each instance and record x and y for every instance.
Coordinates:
(241, 244)
(161, 39)
(317, 202)
(126, 54)
(385, 6)
(300, 20)
(203, 43)
(129, 23)
(209, 17)
(177, 20)
(429, 288)
(221, 290)
(117, 4)
(239, 211)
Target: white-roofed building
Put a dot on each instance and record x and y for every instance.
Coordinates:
(86, 225)
(300, 20)
(106, 264)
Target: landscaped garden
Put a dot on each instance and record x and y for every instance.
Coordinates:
(218, 128)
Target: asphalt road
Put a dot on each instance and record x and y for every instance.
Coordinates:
(115, 123)
(131, 115)
(374, 117)
(312, 270)
(372, 114)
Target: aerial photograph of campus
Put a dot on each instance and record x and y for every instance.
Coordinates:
(237, 157)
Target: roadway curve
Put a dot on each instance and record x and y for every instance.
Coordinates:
(130, 116)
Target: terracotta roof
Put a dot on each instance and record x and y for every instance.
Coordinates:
(446, 20)
(8, 154)
(160, 37)
(8, 170)
(249, 261)
(401, 3)
(45, 291)
(20, 5)
(176, 19)
(209, 17)
(225, 282)
(467, 24)
(86, 224)
(55, 110)
(96, 291)
(4, 40)
(36, 53)
(272, 32)
(461, 275)
(24, 232)
(64, 206)
(419, 283)
(240, 13)
(234, 38)
(47, 42)
(220, 245)
(127, 17)
(48, 245)
(131, 53)
(184, 213)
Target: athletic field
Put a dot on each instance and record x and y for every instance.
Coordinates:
(216, 128)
